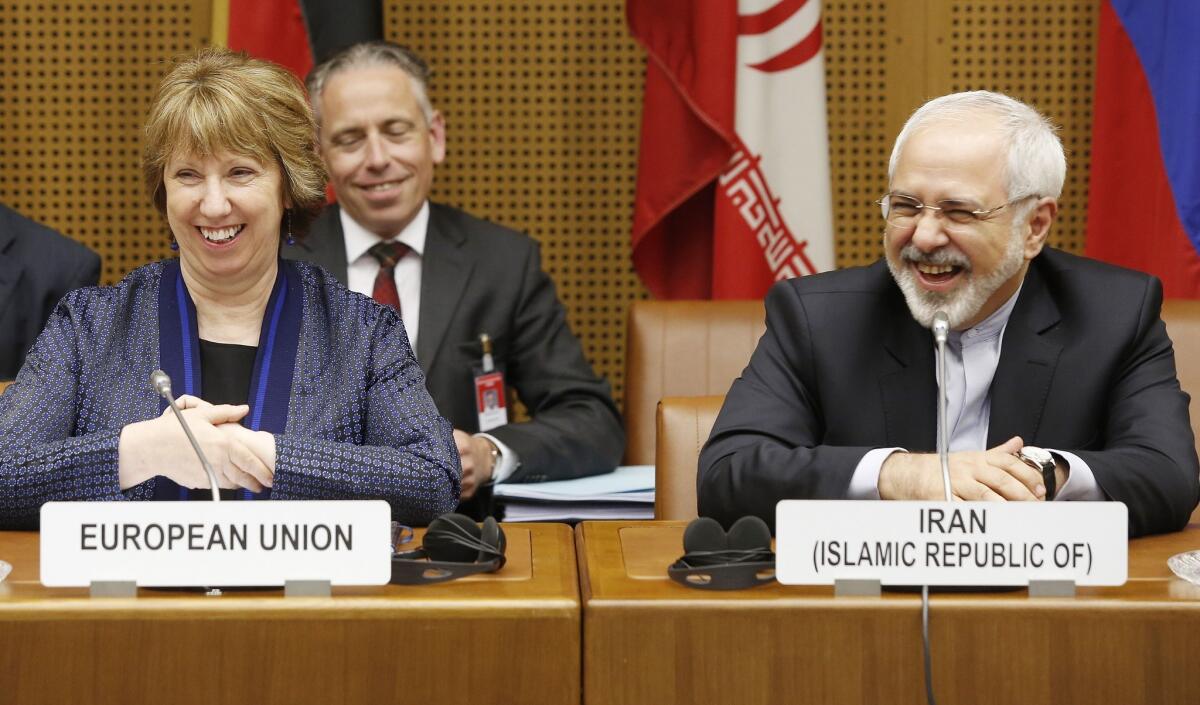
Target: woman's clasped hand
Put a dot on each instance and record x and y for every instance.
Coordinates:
(240, 458)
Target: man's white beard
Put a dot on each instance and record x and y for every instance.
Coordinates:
(963, 302)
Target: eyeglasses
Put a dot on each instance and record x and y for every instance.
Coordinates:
(902, 211)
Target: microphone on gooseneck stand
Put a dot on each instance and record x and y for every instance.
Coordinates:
(941, 330)
(162, 385)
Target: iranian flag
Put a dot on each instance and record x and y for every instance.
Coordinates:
(733, 186)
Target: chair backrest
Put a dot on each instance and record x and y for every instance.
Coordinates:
(683, 426)
(682, 348)
(1182, 317)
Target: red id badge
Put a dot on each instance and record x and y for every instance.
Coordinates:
(490, 401)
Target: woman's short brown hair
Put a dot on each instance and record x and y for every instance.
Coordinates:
(218, 100)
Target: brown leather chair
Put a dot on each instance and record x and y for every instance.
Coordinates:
(1182, 317)
(683, 426)
(682, 348)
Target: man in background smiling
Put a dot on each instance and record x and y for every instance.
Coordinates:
(452, 277)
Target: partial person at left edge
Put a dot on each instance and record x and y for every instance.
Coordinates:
(37, 267)
(295, 387)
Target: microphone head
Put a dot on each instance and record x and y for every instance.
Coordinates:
(161, 382)
(941, 326)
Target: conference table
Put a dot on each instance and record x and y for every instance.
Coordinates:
(512, 636)
(650, 640)
(516, 636)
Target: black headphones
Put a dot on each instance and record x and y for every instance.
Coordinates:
(715, 560)
(454, 546)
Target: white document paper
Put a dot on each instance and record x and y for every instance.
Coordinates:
(628, 483)
(577, 512)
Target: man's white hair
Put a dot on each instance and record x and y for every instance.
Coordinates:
(1036, 164)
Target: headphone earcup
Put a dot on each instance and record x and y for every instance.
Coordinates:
(701, 537)
(704, 534)
(492, 536)
(450, 538)
(750, 533)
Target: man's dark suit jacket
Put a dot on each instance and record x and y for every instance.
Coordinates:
(37, 266)
(1085, 366)
(478, 277)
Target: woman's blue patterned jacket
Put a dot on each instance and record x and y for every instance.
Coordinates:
(360, 423)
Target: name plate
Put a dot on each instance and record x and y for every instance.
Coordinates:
(184, 544)
(959, 543)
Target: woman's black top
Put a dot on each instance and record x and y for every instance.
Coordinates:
(225, 371)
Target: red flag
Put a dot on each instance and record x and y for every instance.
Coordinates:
(272, 30)
(733, 147)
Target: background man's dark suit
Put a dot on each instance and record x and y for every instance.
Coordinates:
(37, 266)
(1085, 366)
(478, 277)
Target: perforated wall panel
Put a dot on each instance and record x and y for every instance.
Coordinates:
(1042, 53)
(76, 79)
(859, 78)
(543, 107)
(884, 59)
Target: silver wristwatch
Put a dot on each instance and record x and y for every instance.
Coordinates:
(1041, 460)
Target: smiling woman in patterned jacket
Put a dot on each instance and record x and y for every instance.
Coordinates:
(295, 387)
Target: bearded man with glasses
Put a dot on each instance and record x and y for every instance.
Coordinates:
(1060, 377)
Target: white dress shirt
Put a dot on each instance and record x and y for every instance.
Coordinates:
(361, 270)
(972, 356)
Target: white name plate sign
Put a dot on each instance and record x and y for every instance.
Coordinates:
(182, 544)
(951, 543)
